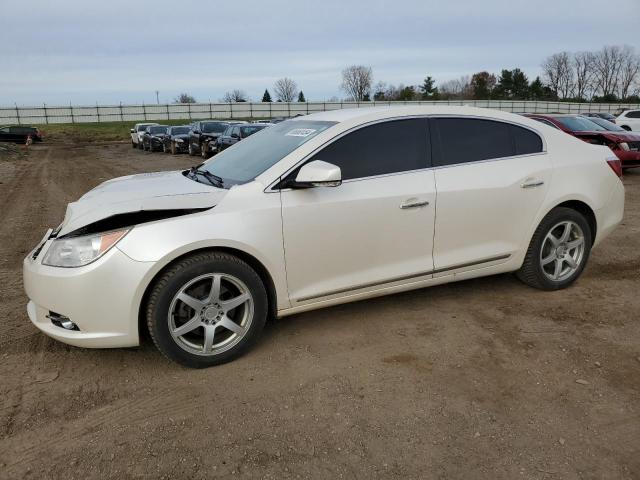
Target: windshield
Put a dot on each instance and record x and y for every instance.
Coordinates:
(247, 159)
(214, 127)
(606, 124)
(179, 130)
(142, 127)
(580, 124)
(155, 130)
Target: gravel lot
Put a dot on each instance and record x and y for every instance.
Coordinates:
(480, 379)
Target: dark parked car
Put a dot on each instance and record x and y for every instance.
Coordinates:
(204, 131)
(624, 144)
(153, 136)
(19, 134)
(605, 115)
(234, 133)
(176, 139)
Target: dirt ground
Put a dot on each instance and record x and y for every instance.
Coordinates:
(477, 379)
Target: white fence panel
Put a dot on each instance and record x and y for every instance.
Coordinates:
(38, 115)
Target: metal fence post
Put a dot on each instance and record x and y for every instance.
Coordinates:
(189, 110)
(71, 108)
(230, 110)
(46, 118)
(121, 116)
(98, 111)
(17, 113)
(289, 109)
(270, 114)
(168, 113)
(251, 110)
(210, 111)
(144, 110)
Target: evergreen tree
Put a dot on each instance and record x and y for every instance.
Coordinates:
(504, 88)
(428, 89)
(301, 97)
(267, 96)
(520, 85)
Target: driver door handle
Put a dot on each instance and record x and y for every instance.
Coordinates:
(532, 184)
(413, 203)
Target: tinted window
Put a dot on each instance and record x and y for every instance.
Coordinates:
(213, 127)
(250, 130)
(389, 147)
(227, 132)
(463, 140)
(607, 125)
(235, 131)
(525, 140)
(634, 114)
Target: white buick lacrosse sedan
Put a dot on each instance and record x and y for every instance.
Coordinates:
(319, 210)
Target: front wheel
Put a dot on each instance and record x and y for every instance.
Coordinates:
(558, 251)
(207, 309)
(133, 144)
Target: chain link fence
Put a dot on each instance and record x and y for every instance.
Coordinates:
(257, 110)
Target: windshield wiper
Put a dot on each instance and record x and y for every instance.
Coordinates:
(214, 180)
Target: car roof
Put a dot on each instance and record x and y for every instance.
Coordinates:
(354, 115)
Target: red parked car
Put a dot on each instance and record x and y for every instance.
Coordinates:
(626, 145)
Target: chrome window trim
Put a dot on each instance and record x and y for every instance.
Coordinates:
(271, 187)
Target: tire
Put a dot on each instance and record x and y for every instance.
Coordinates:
(133, 145)
(173, 148)
(555, 263)
(140, 145)
(192, 279)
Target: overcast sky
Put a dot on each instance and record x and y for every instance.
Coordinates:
(123, 50)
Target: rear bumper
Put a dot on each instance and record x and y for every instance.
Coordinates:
(610, 215)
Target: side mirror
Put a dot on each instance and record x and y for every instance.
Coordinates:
(132, 131)
(197, 132)
(317, 174)
(235, 135)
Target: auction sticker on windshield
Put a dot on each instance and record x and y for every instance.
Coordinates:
(301, 132)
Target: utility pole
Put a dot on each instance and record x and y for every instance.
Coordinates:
(157, 97)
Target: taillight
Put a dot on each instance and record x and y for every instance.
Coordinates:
(616, 165)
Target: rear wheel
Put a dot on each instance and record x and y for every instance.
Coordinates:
(207, 309)
(558, 251)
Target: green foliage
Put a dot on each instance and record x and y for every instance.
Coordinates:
(266, 97)
(429, 90)
(301, 97)
(407, 93)
(482, 85)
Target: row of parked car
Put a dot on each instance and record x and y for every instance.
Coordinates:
(601, 130)
(202, 137)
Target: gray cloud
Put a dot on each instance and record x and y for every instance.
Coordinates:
(110, 51)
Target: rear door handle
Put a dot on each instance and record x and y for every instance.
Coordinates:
(413, 204)
(532, 184)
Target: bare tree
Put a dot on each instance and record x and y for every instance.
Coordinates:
(235, 96)
(629, 71)
(459, 88)
(558, 73)
(356, 82)
(184, 98)
(286, 90)
(606, 65)
(582, 63)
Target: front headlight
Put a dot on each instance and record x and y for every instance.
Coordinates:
(80, 251)
(624, 145)
(179, 140)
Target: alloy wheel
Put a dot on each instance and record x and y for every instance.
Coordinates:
(210, 314)
(562, 251)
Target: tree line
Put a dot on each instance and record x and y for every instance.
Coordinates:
(609, 75)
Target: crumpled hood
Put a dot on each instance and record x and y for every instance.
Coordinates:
(142, 192)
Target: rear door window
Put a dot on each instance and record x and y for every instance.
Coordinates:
(526, 141)
(464, 140)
